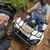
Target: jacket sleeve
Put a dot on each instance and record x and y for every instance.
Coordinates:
(5, 43)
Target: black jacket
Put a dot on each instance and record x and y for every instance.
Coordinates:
(5, 43)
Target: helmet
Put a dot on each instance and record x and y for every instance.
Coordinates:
(8, 9)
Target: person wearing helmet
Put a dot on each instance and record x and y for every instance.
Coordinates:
(41, 14)
(7, 12)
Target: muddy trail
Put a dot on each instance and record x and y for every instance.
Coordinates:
(45, 44)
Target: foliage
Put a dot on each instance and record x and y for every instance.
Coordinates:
(19, 3)
(32, 0)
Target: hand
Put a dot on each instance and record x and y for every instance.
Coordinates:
(28, 11)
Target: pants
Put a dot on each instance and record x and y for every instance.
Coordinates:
(38, 21)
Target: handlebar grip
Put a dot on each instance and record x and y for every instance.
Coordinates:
(30, 13)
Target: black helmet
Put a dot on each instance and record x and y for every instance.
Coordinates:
(8, 9)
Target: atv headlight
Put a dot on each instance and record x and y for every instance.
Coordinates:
(18, 23)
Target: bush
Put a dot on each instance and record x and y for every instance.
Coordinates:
(32, 0)
(20, 3)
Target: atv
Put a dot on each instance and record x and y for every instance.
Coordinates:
(27, 33)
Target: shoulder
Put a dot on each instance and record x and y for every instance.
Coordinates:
(38, 3)
(7, 38)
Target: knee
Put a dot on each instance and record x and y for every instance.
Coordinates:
(33, 21)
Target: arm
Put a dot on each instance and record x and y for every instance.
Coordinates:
(5, 44)
(47, 15)
(34, 7)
